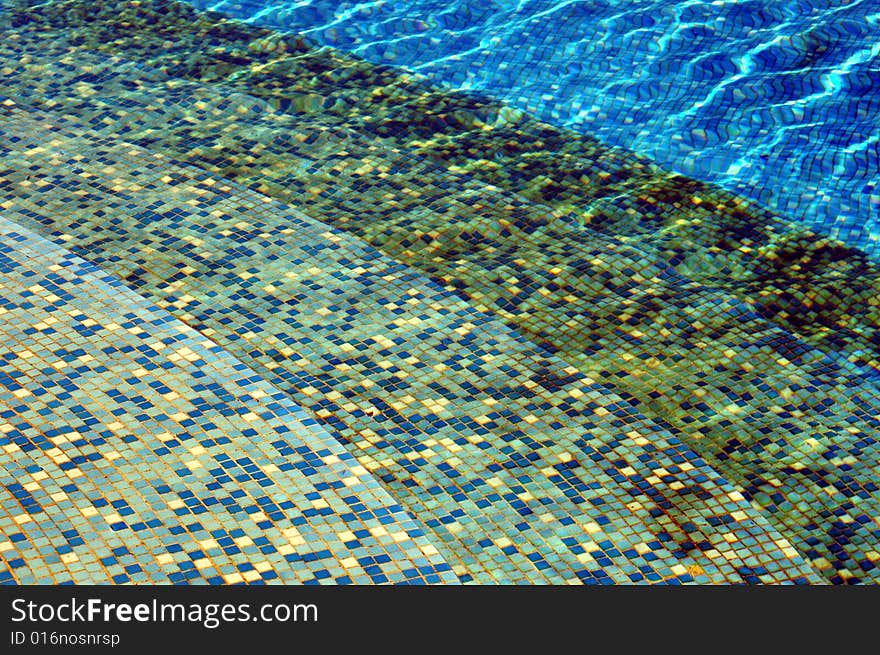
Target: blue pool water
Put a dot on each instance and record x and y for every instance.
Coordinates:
(779, 101)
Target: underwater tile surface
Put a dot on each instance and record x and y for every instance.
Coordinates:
(514, 461)
(567, 366)
(136, 450)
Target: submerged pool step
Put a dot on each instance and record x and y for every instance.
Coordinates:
(438, 221)
(136, 450)
(819, 289)
(522, 469)
(794, 428)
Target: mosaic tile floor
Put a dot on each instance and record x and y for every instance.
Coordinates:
(564, 364)
(137, 450)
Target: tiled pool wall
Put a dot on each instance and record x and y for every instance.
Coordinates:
(778, 101)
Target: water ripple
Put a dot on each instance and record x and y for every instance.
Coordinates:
(779, 101)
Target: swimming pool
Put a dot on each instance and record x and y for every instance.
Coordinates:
(321, 320)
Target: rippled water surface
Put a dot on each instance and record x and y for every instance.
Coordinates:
(777, 100)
